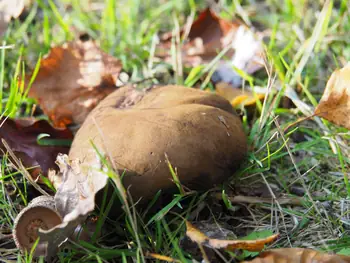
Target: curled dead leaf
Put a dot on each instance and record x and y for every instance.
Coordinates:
(335, 102)
(208, 36)
(301, 255)
(9, 9)
(252, 245)
(72, 80)
(22, 136)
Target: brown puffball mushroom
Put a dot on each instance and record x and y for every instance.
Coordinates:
(40, 213)
(198, 131)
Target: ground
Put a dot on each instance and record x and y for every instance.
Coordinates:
(294, 181)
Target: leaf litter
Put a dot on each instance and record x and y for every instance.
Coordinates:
(335, 102)
(35, 142)
(207, 37)
(72, 80)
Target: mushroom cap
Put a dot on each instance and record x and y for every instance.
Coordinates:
(198, 131)
(40, 213)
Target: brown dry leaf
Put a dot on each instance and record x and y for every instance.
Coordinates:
(335, 102)
(76, 186)
(210, 34)
(72, 79)
(236, 96)
(9, 9)
(252, 245)
(22, 137)
(301, 255)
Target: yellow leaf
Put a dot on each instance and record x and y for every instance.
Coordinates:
(335, 102)
(252, 245)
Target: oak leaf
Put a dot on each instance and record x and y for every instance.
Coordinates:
(301, 255)
(72, 80)
(252, 245)
(335, 102)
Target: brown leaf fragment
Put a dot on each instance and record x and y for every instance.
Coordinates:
(9, 9)
(22, 138)
(335, 102)
(252, 245)
(72, 79)
(208, 36)
(301, 255)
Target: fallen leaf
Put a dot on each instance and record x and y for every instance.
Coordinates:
(335, 102)
(72, 80)
(9, 9)
(251, 245)
(23, 137)
(208, 36)
(301, 255)
(237, 96)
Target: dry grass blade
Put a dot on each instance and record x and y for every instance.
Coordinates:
(162, 257)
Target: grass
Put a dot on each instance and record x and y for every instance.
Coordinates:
(310, 161)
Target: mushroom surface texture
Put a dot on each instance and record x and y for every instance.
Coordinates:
(198, 131)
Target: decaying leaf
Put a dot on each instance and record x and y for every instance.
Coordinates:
(335, 102)
(9, 9)
(301, 255)
(237, 96)
(252, 245)
(209, 35)
(75, 199)
(72, 79)
(23, 137)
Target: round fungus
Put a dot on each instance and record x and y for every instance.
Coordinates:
(197, 131)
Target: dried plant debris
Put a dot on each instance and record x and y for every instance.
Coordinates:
(335, 102)
(72, 80)
(201, 239)
(9, 9)
(301, 255)
(35, 143)
(208, 36)
(74, 200)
